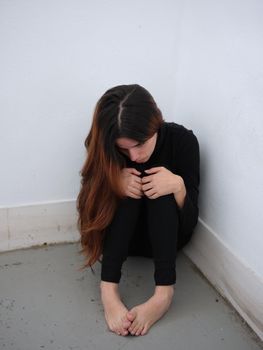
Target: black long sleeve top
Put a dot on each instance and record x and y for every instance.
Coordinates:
(177, 149)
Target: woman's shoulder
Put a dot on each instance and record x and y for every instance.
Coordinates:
(182, 140)
(178, 132)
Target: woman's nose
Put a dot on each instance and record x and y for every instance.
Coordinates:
(133, 155)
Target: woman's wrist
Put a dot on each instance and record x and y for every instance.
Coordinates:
(179, 191)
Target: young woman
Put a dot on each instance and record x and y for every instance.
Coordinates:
(139, 196)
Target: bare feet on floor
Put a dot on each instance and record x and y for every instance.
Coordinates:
(114, 310)
(145, 315)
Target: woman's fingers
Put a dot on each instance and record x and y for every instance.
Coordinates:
(132, 171)
(133, 194)
(150, 193)
(132, 183)
(147, 187)
(138, 180)
(135, 191)
(135, 172)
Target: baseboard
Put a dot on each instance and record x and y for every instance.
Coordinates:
(238, 283)
(34, 225)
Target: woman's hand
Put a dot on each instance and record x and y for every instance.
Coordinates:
(132, 183)
(161, 182)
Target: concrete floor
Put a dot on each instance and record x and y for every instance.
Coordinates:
(45, 303)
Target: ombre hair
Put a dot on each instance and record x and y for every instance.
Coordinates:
(123, 111)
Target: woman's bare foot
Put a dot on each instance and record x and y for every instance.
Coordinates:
(145, 315)
(114, 310)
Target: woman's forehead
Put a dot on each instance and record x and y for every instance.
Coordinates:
(125, 142)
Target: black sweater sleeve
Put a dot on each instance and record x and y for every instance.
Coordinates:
(188, 164)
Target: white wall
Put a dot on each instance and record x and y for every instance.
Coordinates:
(219, 94)
(57, 58)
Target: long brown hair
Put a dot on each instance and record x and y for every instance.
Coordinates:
(123, 111)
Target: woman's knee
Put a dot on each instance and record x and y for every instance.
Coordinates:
(163, 202)
(130, 203)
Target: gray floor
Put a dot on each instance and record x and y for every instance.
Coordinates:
(45, 303)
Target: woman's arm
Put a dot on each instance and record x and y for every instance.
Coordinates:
(187, 173)
(179, 191)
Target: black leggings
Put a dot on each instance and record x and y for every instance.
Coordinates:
(145, 227)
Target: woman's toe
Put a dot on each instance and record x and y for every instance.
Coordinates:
(138, 332)
(125, 332)
(126, 324)
(131, 328)
(144, 331)
(132, 331)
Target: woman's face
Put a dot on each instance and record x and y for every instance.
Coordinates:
(137, 152)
